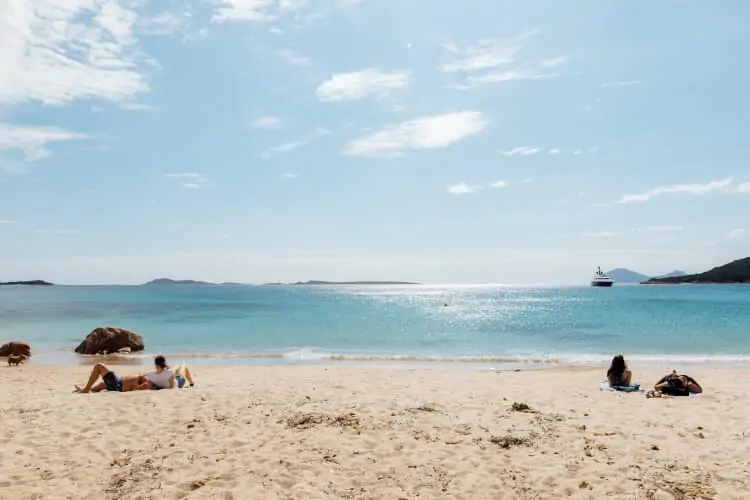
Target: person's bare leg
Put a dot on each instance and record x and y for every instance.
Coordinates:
(183, 371)
(99, 370)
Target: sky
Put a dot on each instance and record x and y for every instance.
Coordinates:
(482, 141)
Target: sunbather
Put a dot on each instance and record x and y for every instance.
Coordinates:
(163, 377)
(678, 385)
(619, 375)
(113, 382)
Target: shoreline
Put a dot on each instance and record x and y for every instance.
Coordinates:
(336, 431)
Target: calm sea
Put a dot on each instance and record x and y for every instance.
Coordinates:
(490, 325)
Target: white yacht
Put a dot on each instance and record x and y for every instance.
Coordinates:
(601, 279)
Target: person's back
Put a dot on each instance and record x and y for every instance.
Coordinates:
(619, 374)
(162, 377)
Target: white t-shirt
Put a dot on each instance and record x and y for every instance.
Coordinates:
(160, 380)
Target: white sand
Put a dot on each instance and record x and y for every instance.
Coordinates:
(372, 433)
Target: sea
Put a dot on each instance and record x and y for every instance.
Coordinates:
(485, 326)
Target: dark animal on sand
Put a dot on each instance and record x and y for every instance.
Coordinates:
(15, 360)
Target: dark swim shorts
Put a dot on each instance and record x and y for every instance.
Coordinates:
(112, 381)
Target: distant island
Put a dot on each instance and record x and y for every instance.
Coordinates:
(169, 281)
(621, 275)
(27, 283)
(315, 283)
(734, 272)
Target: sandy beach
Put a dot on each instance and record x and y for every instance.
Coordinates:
(308, 432)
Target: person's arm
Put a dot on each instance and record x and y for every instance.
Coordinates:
(693, 386)
(171, 381)
(628, 377)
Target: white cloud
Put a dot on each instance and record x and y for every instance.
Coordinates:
(734, 233)
(693, 189)
(577, 152)
(289, 175)
(32, 141)
(496, 61)
(599, 234)
(522, 150)
(553, 62)
(361, 84)
(658, 229)
(55, 52)
(554, 151)
(136, 106)
(267, 122)
(165, 24)
(462, 188)
(189, 180)
(627, 83)
(291, 57)
(8, 222)
(430, 132)
(295, 144)
(744, 187)
(59, 231)
(499, 184)
(486, 54)
(255, 10)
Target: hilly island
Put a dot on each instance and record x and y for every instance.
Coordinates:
(737, 271)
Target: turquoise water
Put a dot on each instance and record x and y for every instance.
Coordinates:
(490, 324)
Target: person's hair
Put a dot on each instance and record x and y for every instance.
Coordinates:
(618, 366)
(160, 362)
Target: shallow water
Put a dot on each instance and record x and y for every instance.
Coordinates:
(492, 325)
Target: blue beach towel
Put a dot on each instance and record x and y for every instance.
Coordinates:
(621, 388)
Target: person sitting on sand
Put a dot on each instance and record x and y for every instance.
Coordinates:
(619, 375)
(678, 385)
(163, 377)
(112, 382)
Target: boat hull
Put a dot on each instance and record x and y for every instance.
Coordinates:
(602, 283)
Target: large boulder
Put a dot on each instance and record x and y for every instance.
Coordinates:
(15, 349)
(108, 340)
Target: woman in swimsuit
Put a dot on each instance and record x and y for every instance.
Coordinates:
(163, 377)
(619, 374)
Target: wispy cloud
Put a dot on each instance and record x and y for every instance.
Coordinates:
(164, 24)
(295, 144)
(33, 141)
(56, 52)
(744, 187)
(8, 222)
(522, 151)
(462, 189)
(289, 175)
(189, 180)
(136, 106)
(690, 189)
(363, 84)
(496, 61)
(291, 57)
(255, 10)
(626, 83)
(499, 184)
(599, 234)
(734, 233)
(267, 122)
(430, 132)
(59, 231)
(658, 229)
(554, 151)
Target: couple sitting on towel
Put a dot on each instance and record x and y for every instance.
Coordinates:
(619, 375)
(162, 377)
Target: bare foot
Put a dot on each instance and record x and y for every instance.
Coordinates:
(82, 391)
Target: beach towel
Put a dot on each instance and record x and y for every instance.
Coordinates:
(604, 385)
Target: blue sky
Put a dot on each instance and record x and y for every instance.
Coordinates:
(484, 141)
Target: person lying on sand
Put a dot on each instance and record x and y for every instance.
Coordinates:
(677, 385)
(619, 374)
(112, 382)
(163, 377)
